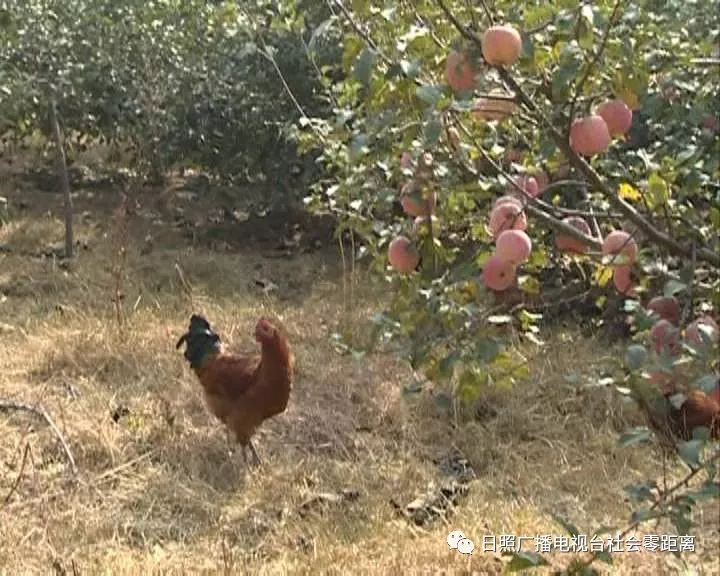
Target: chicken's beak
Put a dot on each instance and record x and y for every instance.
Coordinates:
(183, 338)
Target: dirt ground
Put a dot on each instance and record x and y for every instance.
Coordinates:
(157, 490)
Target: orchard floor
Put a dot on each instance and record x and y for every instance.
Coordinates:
(157, 490)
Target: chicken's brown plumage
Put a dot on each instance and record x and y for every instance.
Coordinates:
(698, 409)
(241, 391)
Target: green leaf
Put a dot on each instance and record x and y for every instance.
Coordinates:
(587, 14)
(681, 521)
(566, 524)
(533, 16)
(573, 379)
(643, 515)
(709, 490)
(411, 69)
(715, 217)
(364, 66)
(448, 363)
(643, 320)
(322, 28)
(384, 320)
(658, 192)
(524, 560)
(585, 27)
(687, 273)
(604, 529)
(701, 433)
(708, 383)
(443, 401)
(635, 436)
(487, 349)
(431, 131)
(248, 49)
(470, 385)
(412, 389)
(635, 356)
(690, 452)
(359, 146)
(641, 492)
(428, 94)
(632, 306)
(673, 287)
(571, 59)
(604, 556)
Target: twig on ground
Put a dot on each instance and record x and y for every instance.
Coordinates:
(7, 405)
(184, 283)
(20, 474)
(124, 466)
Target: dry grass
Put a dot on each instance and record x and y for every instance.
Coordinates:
(158, 491)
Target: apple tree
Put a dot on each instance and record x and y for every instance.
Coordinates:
(498, 158)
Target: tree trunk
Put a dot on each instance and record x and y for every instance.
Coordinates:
(62, 173)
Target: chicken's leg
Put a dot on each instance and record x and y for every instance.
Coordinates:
(231, 443)
(254, 452)
(256, 458)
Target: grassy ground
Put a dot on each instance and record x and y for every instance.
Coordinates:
(157, 490)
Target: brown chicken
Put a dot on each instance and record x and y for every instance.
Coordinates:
(241, 391)
(698, 409)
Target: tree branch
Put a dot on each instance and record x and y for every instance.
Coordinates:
(650, 231)
(591, 65)
(62, 174)
(385, 58)
(662, 498)
(488, 12)
(529, 204)
(412, 4)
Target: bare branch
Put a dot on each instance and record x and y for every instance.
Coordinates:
(20, 474)
(267, 54)
(591, 65)
(412, 4)
(62, 174)
(459, 26)
(488, 12)
(706, 61)
(185, 284)
(311, 58)
(7, 405)
(360, 32)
